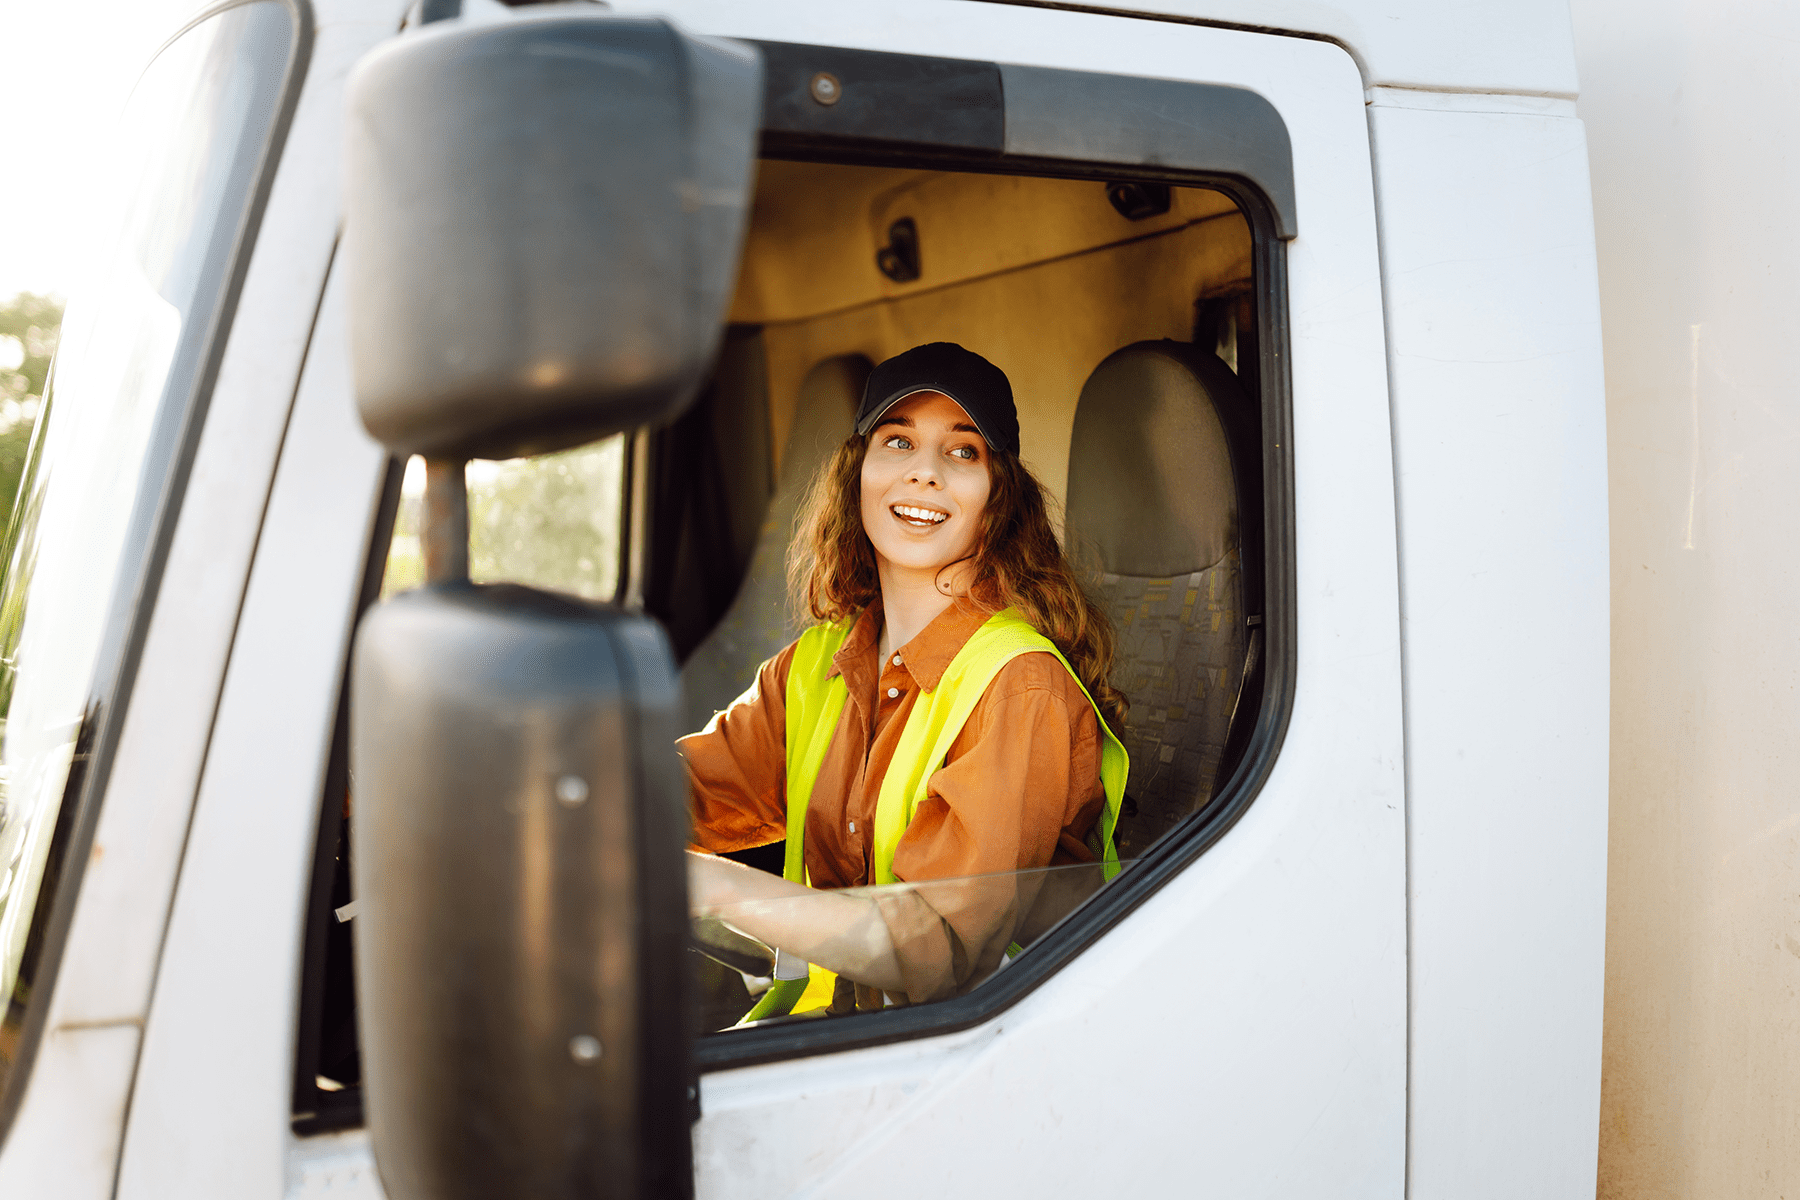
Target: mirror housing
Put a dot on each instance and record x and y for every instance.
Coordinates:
(543, 223)
(520, 818)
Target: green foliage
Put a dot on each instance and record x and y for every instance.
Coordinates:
(551, 522)
(29, 326)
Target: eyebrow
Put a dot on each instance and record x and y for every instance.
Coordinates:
(907, 422)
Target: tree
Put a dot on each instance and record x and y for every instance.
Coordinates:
(29, 326)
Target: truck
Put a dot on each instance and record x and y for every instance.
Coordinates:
(426, 457)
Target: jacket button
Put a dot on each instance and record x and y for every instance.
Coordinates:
(893, 693)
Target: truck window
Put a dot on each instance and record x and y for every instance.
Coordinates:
(1125, 313)
(102, 480)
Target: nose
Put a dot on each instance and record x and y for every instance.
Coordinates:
(923, 472)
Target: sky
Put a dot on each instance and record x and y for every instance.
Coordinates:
(66, 67)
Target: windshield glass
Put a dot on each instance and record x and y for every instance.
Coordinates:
(113, 418)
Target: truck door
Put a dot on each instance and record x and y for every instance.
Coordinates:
(1231, 1009)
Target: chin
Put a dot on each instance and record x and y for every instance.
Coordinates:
(916, 558)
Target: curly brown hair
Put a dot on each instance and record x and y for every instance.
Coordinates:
(1018, 564)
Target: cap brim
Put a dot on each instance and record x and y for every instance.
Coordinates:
(870, 419)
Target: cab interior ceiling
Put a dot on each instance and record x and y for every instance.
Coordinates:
(1044, 276)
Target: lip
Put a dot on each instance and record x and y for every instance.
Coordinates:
(911, 514)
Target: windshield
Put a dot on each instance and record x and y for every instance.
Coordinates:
(98, 476)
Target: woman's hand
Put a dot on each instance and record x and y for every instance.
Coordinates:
(845, 934)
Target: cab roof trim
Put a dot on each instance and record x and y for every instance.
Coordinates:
(999, 113)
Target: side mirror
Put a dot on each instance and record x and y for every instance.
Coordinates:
(522, 927)
(543, 225)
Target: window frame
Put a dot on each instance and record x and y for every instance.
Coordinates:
(1176, 850)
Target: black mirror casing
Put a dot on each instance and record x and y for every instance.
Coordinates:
(520, 942)
(543, 222)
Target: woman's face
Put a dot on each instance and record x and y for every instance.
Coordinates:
(924, 484)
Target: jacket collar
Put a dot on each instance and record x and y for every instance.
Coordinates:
(927, 656)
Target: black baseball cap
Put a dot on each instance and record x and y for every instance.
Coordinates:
(963, 375)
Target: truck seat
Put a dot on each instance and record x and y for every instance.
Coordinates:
(759, 622)
(1153, 512)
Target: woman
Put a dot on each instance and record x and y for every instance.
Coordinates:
(944, 719)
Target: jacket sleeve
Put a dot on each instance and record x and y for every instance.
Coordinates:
(737, 766)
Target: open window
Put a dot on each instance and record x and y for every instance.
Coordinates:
(1121, 259)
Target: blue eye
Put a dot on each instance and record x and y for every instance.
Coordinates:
(897, 442)
(967, 453)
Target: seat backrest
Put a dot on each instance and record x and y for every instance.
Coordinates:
(759, 621)
(1154, 510)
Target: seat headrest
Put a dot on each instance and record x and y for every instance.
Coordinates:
(759, 623)
(823, 415)
(1151, 485)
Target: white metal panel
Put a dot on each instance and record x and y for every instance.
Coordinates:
(1518, 46)
(1243, 1032)
(64, 1142)
(1691, 117)
(333, 1166)
(214, 1093)
(111, 958)
(1499, 436)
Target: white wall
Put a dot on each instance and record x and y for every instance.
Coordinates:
(1691, 111)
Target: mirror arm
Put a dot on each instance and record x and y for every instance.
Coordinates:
(446, 521)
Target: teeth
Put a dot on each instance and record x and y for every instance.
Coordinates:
(920, 514)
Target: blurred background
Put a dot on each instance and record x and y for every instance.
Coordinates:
(66, 70)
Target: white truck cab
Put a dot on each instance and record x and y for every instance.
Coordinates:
(1300, 307)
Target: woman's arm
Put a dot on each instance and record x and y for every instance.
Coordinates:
(845, 934)
(737, 770)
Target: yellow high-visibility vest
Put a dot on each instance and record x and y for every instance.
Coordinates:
(815, 703)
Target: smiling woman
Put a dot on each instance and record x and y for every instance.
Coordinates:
(943, 720)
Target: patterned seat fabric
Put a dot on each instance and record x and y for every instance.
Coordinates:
(1153, 513)
(759, 621)
(1183, 678)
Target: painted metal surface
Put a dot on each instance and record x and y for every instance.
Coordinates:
(333, 1166)
(1500, 468)
(211, 1106)
(64, 1142)
(1520, 47)
(1690, 116)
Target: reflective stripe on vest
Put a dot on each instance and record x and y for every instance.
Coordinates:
(815, 704)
